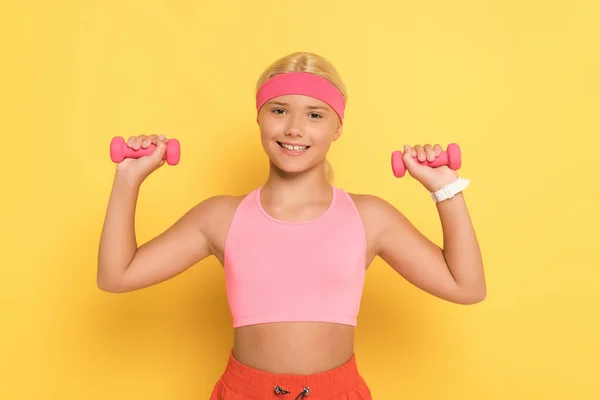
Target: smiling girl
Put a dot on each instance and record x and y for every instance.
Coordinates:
(295, 249)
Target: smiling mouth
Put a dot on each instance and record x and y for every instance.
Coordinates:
(292, 147)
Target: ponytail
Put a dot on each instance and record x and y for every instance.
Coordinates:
(328, 171)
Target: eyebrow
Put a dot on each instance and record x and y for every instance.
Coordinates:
(279, 103)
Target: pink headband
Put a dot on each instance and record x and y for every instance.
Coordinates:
(302, 83)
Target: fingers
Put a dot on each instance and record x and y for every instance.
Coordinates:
(425, 152)
(420, 152)
(144, 141)
(135, 142)
(148, 140)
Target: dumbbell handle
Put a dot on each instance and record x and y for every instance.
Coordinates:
(120, 151)
(450, 157)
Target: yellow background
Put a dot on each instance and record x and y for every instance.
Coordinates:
(515, 83)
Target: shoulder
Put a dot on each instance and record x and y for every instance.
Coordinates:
(213, 217)
(216, 209)
(212, 212)
(378, 217)
(372, 207)
(220, 204)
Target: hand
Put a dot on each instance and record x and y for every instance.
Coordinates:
(138, 169)
(432, 178)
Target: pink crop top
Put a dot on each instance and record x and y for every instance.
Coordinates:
(295, 271)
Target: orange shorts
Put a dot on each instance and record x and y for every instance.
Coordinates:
(241, 382)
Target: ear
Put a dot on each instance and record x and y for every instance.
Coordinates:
(338, 132)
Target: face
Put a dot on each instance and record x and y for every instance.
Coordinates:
(297, 131)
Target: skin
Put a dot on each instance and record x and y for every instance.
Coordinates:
(296, 190)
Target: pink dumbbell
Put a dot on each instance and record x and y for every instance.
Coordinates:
(449, 157)
(120, 151)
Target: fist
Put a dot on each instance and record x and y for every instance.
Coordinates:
(140, 168)
(431, 178)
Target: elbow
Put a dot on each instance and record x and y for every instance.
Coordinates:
(475, 300)
(473, 297)
(109, 285)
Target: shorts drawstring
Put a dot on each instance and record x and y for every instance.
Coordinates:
(305, 392)
(279, 390)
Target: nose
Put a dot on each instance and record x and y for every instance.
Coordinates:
(294, 126)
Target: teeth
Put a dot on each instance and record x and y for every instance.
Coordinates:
(294, 148)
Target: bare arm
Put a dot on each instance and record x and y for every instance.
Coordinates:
(461, 248)
(123, 267)
(454, 273)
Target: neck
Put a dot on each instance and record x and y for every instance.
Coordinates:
(296, 188)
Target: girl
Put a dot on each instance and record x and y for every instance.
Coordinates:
(294, 250)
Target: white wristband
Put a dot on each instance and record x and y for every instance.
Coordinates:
(450, 190)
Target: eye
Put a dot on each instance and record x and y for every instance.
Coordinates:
(277, 111)
(315, 115)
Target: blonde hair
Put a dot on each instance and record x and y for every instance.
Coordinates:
(306, 62)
